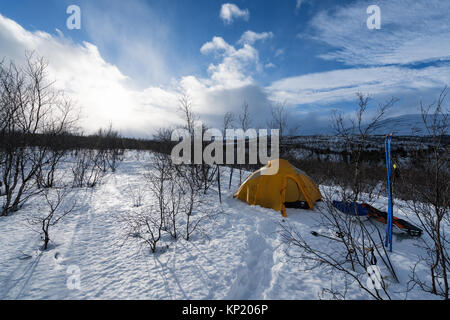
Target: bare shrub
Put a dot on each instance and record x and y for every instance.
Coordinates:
(430, 204)
(228, 123)
(45, 175)
(58, 207)
(178, 204)
(88, 168)
(137, 195)
(202, 174)
(354, 133)
(110, 148)
(193, 202)
(149, 224)
(357, 244)
(245, 122)
(146, 226)
(160, 179)
(31, 111)
(347, 259)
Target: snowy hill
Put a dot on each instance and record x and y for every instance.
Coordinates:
(405, 125)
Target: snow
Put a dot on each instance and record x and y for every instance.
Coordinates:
(406, 125)
(240, 256)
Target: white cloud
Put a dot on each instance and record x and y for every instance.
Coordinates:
(298, 4)
(104, 94)
(251, 37)
(341, 85)
(135, 37)
(229, 12)
(213, 101)
(411, 32)
(234, 69)
(229, 83)
(279, 52)
(97, 87)
(218, 44)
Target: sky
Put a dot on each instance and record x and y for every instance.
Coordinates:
(130, 61)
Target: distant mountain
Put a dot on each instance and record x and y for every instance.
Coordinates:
(405, 125)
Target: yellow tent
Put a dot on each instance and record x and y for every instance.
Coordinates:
(288, 185)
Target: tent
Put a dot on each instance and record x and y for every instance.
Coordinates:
(287, 187)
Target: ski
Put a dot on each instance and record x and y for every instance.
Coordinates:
(387, 146)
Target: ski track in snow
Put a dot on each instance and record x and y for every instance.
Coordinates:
(241, 258)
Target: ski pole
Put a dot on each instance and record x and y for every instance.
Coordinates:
(387, 146)
(386, 242)
(316, 234)
(390, 191)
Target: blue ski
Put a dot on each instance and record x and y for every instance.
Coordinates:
(387, 146)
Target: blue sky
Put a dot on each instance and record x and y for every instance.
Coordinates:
(132, 59)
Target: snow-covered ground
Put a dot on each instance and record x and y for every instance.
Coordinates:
(241, 256)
